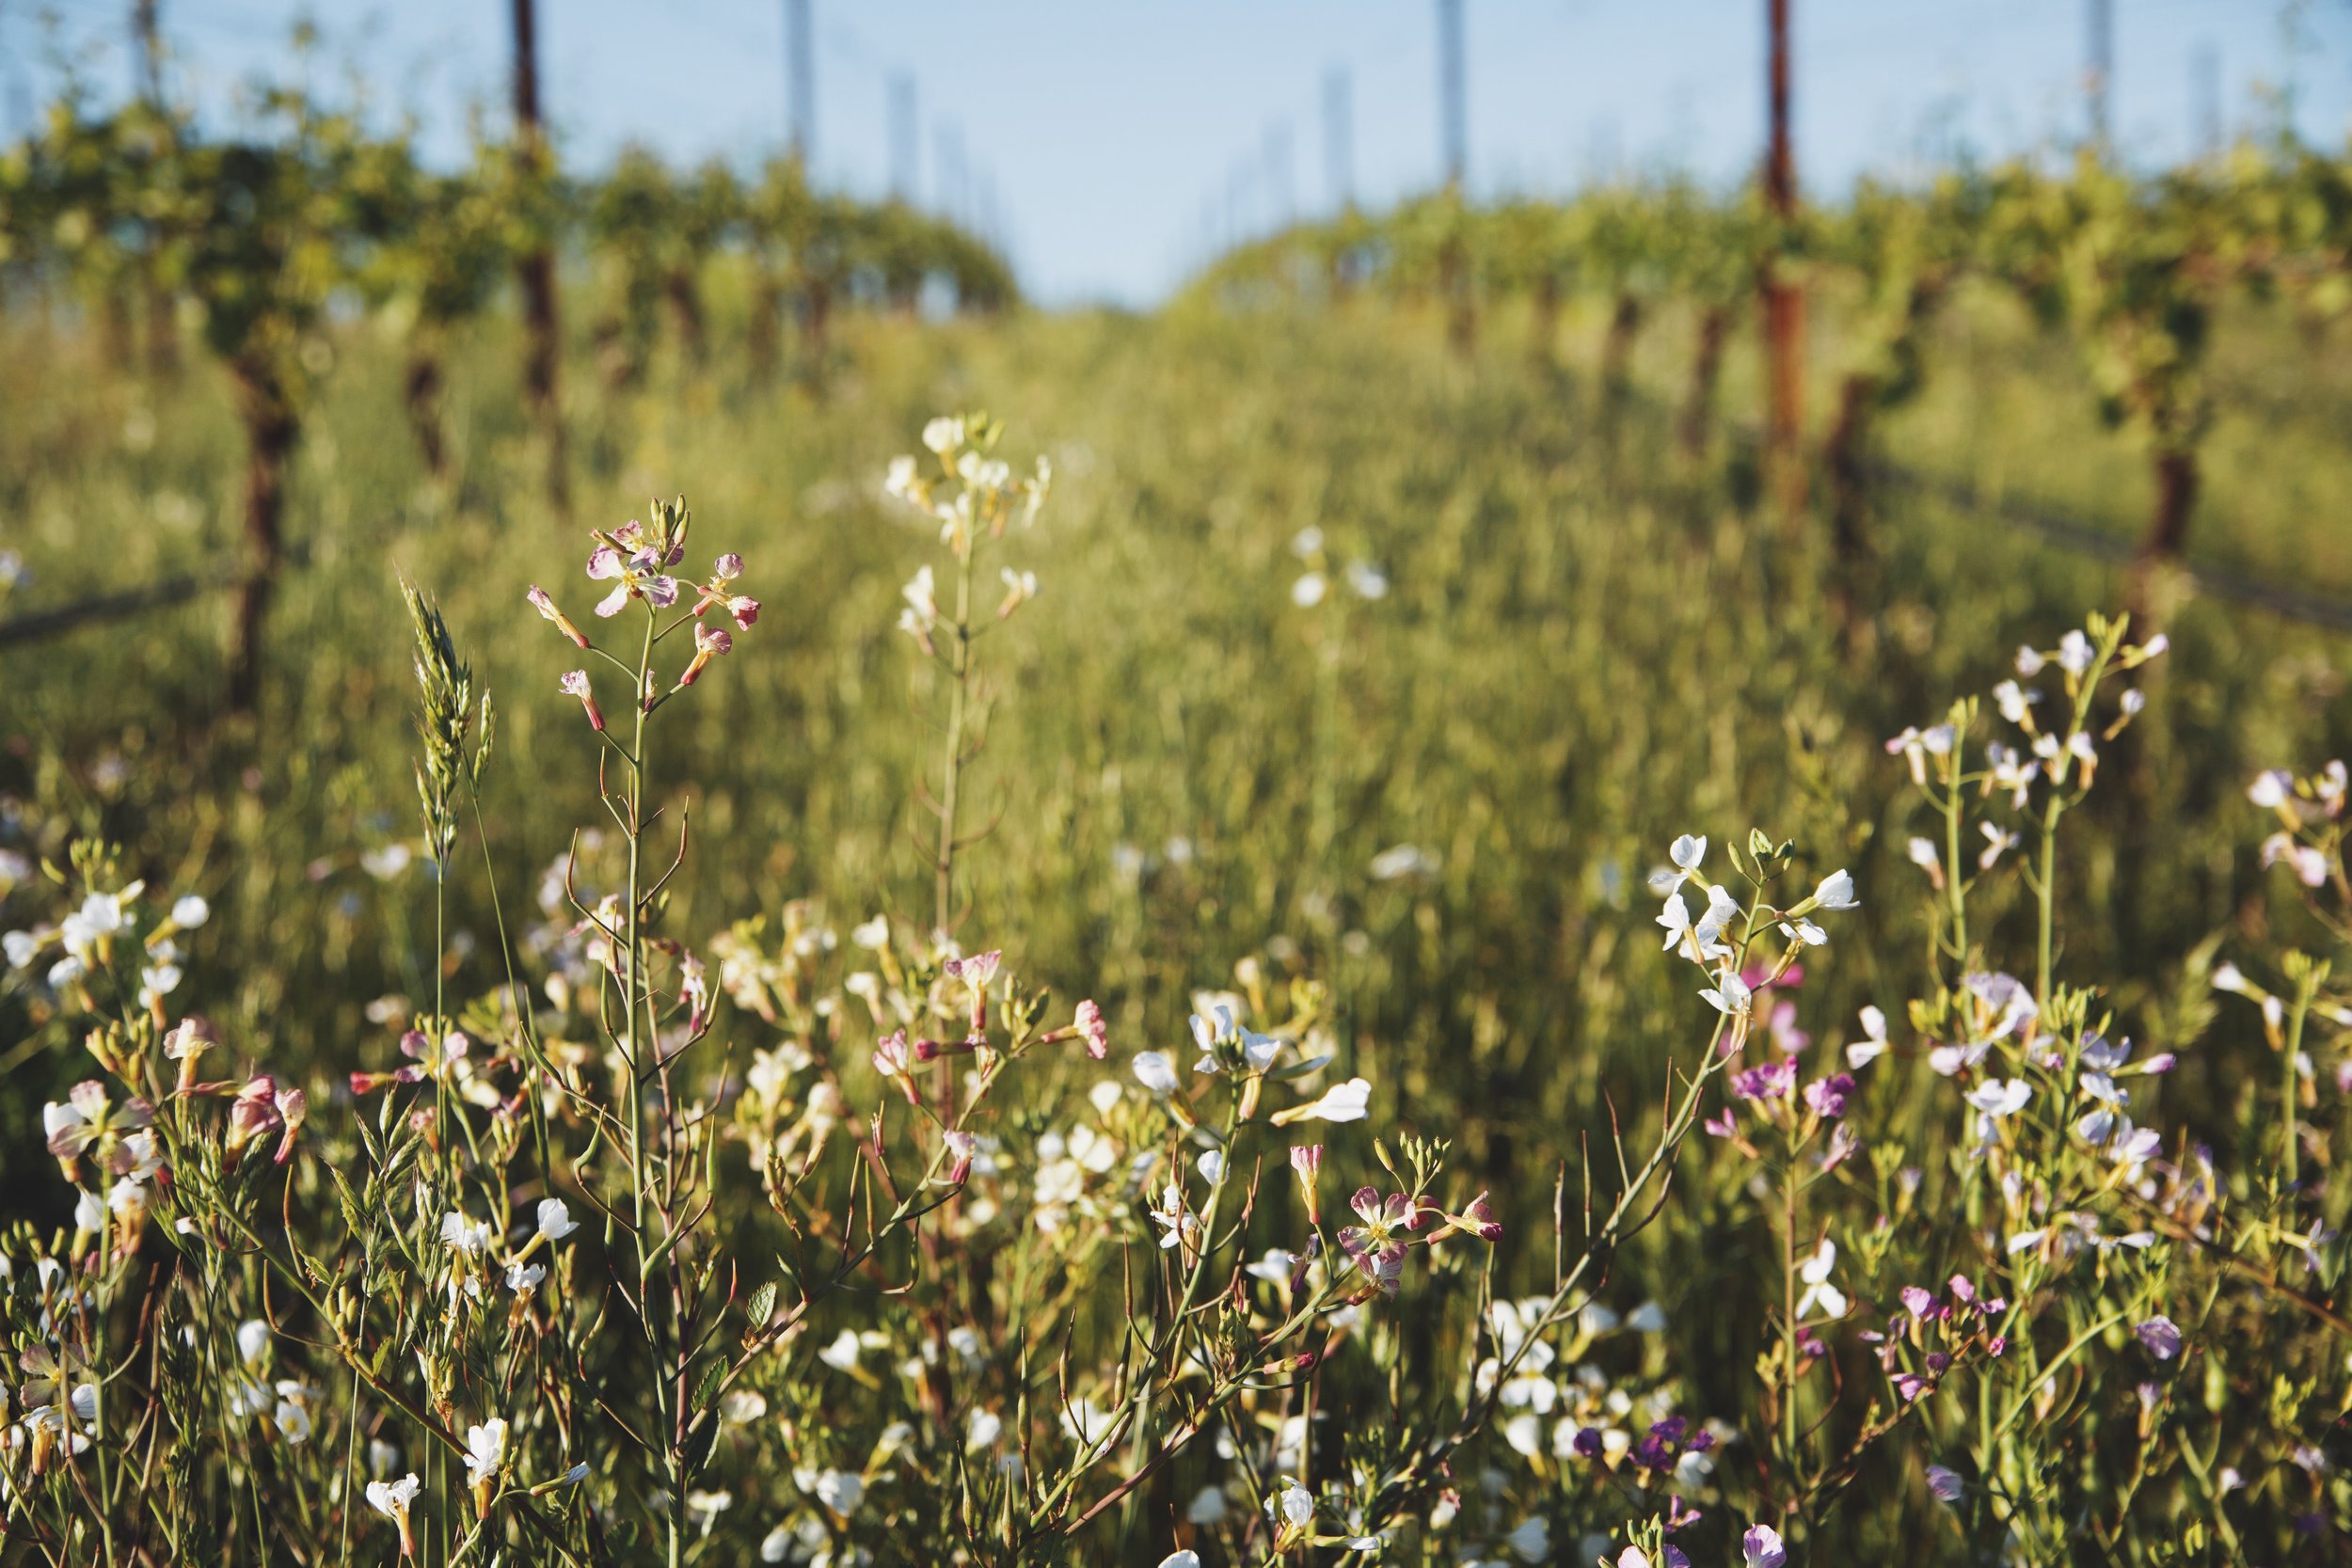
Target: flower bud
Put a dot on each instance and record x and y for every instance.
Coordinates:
(1307, 1163)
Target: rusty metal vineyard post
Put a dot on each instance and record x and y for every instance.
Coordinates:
(1783, 296)
(536, 268)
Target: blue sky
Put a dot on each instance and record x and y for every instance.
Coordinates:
(1122, 139)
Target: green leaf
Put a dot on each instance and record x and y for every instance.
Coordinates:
(707, 1389)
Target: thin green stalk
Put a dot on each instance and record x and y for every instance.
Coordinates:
(1955, 886)
(944, 864)
(1788, 1309)
(2045, 890)
(2304, 985)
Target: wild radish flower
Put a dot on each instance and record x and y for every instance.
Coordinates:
(263, 1106)
(718, 591)
(1873, 1043)
(635, 576)
(1836, 892)
(89, 930)
(1729, 996)
(710, 643)
(1090, 1027)
(1020, 588)
(555, 1219)
(1819, 1292)
(1155, 1072)
(1348, 1101)
(575, 683)
(545, 605)
(1175, 1221)
(1386, 1231)
(2308, 865)
(895, 1060)
(486, 1456)
(1401, 861)
(1307, 1165)
(1292, 1511)
(1928, 858)
(960, 1148)
(2075, 653)
(943, 435)
(1700, 941)
(186, 1044)
(1309, 590)
(157, 981)
(2161, 1336)
(1908, 747)
(1999, 1098)
(391, 1499)
(1827, 1097)
(1804, 933)
(1187, 1559)
(1686, 852)
(2011, 769)
(523, 1278)
(921, 608)
(465, 1237)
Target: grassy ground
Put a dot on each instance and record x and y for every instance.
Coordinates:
(1587, 646)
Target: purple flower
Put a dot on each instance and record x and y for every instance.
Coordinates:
(1910, 1385)
(1761, 1547)
(1944, 1484)
(1772, 1080)
(1588, 1442)
(575, 683)
(2162, 1337)
(1827, 1097)
(1916, 1301)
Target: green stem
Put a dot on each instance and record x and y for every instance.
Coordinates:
(951, 772)
(1789, 1312)
(2304, 986)
(2046, 893)
(1955, 882)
